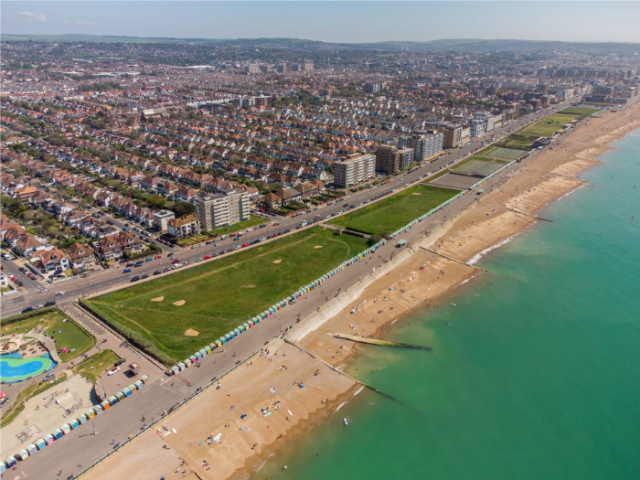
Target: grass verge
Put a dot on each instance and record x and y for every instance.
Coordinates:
(96, 365)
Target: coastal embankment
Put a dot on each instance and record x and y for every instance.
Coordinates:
(279, 394)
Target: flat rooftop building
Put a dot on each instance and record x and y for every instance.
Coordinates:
(222, 209)
(354, 169)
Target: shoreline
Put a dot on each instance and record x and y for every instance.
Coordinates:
(422, 276)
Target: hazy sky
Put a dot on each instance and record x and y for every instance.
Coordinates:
(362, 21)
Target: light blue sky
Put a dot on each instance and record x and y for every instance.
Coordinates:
(361, 21)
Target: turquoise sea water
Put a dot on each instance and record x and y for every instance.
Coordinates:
(536, 377)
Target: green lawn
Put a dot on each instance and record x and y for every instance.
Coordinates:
(252, 221)
(222, 294)
(547, 126)
(395, 212)
(96, 365)
(55, 324)
(31, 391)
(581, 112)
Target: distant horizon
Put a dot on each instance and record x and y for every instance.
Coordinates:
(435, 40)
(332, 22)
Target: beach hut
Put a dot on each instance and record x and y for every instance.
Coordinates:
(198, 356)
(106, 405)
(66, 428)
(41, 444)
(126, 392)
(139, 384)
(228, 336)
(144, 378)
(82, 419)
(57, 433)
(74, 424)
(10, 462)
(31, 448)
(98, 409)
(120, 396)
(204, 352)
(237, 331)
(90, 413)
(22, 455)
(242, 328)
(218, 343)
(113, 400)
(223, 340)
(174, 370)
(208, 348)
(182, 366)
(193, 359)
(132, 388)
(3, 467)
(48, 439)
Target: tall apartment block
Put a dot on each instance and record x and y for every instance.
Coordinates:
(424, 144)
(390, 159)
(222, 209)
(354, 169)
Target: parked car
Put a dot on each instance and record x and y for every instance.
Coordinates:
(176, 261)
(50, 303)
(144, 276)
(38, 307)
(48, 376)
(157, 272)
(44, 290)
(27, 310)
(127, 270)
(135, 279)
(59, 293)
(113, 371)
(158, 257)
(206, 257)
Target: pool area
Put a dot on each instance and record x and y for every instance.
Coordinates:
(14, 368)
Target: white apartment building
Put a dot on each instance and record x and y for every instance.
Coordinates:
(354, 169)
(222, 209)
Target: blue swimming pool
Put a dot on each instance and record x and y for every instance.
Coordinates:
(16, 369)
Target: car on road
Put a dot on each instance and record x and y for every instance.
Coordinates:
(110, 222)
(157, 257)
(27, 310)
(177, 265)
(144, 276)
(206, 257)
(246, 244)
(157, 272)
(50, 303)
(135, 279)
(59, 293)
(113, 371)
(48, 376)
(6, 256)
(44, 290)
(127, 270)
(176, 261)
(38, 307)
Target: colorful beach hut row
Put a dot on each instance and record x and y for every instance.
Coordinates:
(58, 433)
(195, 358)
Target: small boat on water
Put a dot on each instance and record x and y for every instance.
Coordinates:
(453, 305)
(346, 421)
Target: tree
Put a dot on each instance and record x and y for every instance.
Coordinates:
(182, 209)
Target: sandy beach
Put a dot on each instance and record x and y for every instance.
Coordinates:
(439, 263)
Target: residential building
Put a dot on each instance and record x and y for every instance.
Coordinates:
(387, 159)
(114, 246)
(354, 169)
(81, 256)
(488, 120)
(184, 226)
(51, 260)
(452, 137)
(424, 144)
(373, 87)
(222, 209)
(162, 218)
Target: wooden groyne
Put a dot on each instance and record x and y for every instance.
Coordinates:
(375, 341)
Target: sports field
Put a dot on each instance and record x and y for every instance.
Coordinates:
(395, 212)
(581, 112)
(504, 153)
(174, 316)
(478, 167)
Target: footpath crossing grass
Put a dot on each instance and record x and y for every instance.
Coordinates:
(174, 316)
(55, 324)
(395, 212)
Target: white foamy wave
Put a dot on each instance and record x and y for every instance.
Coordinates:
(478, 256)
